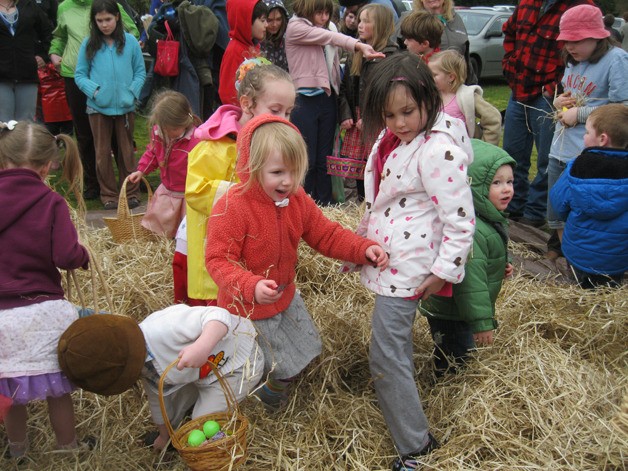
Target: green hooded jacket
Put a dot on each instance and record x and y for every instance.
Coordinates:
(474, 298)
(73, 27)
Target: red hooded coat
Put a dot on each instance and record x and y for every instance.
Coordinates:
(240, 47)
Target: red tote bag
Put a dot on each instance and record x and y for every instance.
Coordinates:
(167, 60)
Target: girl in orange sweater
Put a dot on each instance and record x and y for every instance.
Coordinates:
(251, 250)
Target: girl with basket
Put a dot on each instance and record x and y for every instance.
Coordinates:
(172, 138)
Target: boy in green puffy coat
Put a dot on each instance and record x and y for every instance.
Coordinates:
(467, 318)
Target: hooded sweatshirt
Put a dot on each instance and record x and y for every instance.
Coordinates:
(250, 239)
(36, 238)
(241, 47)
(591, 195)
(73, 27)
(473, 299)
(420, 210)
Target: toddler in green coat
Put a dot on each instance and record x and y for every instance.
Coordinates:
(467, 318)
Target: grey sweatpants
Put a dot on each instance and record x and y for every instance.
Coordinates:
(392, 369)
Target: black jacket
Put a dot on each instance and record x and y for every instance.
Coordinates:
(32, 38)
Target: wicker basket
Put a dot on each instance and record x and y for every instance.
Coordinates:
(127, 227)
(345, 167)
(223, 454)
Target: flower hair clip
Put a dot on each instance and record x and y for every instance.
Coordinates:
(10, 125)
(246, 67)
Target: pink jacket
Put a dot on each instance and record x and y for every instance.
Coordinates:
(306, 59)
(172, 160)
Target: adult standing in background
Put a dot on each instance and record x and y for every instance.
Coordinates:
(72, 28)
(533, 67)
(25, 34)
(455, 33)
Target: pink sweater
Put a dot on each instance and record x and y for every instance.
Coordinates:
(172, 160)
(306, 59)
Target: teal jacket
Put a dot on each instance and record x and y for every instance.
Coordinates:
(73, 27)
(473, 299)
(118, 78)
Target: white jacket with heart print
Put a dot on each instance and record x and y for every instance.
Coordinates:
(423, 214)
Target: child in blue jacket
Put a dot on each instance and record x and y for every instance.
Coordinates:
(110, 71)
(592, 197)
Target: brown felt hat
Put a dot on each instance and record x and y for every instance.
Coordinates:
(102, 353)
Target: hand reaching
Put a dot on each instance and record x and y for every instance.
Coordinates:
(483, 338)
(192, 356)
(136, 176)
(431, 285)
(377, 256)
(509, 270)
(267, 292)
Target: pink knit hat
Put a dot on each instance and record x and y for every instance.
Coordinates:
(582, 22)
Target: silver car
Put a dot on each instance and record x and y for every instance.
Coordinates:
(486, 40)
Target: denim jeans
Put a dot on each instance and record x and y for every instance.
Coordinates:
(555, 169)
(525, 125)
(18, 101)
(453, 340)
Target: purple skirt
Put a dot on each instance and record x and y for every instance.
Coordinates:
(24, 389)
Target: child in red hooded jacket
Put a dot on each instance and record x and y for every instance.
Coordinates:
(251, 252)
(247, 20)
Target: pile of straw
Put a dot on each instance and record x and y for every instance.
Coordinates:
(547, 395)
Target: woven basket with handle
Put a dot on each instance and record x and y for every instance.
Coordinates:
(126, 226)
(223, 454)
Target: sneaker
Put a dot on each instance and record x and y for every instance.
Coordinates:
(272, 401)
(411, 461)
(133, 203)
(110, 205)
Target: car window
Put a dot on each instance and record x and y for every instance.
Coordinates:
(474, 22)
(496, 26)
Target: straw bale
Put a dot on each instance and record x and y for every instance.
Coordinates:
(546, 395)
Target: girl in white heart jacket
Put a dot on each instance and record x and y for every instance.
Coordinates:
(419, 208)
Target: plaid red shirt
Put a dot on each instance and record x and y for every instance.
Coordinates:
(532, 60)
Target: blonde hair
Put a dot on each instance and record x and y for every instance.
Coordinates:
(422, 26)
(383, 28)
(171, 109)
(448, 8)
(31, 145)
(612, 120)
(253, 84)
(452, 62)
(288, 141)
(307, 8)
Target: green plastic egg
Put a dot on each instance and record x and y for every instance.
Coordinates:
(211, 428)
(195, 438)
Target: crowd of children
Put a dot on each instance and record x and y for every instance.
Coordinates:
(241, 190)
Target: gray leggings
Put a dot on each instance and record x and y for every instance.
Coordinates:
(392, 369)
(18, 101)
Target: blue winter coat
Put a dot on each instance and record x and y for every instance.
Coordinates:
(592, 197)
(117, 77)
